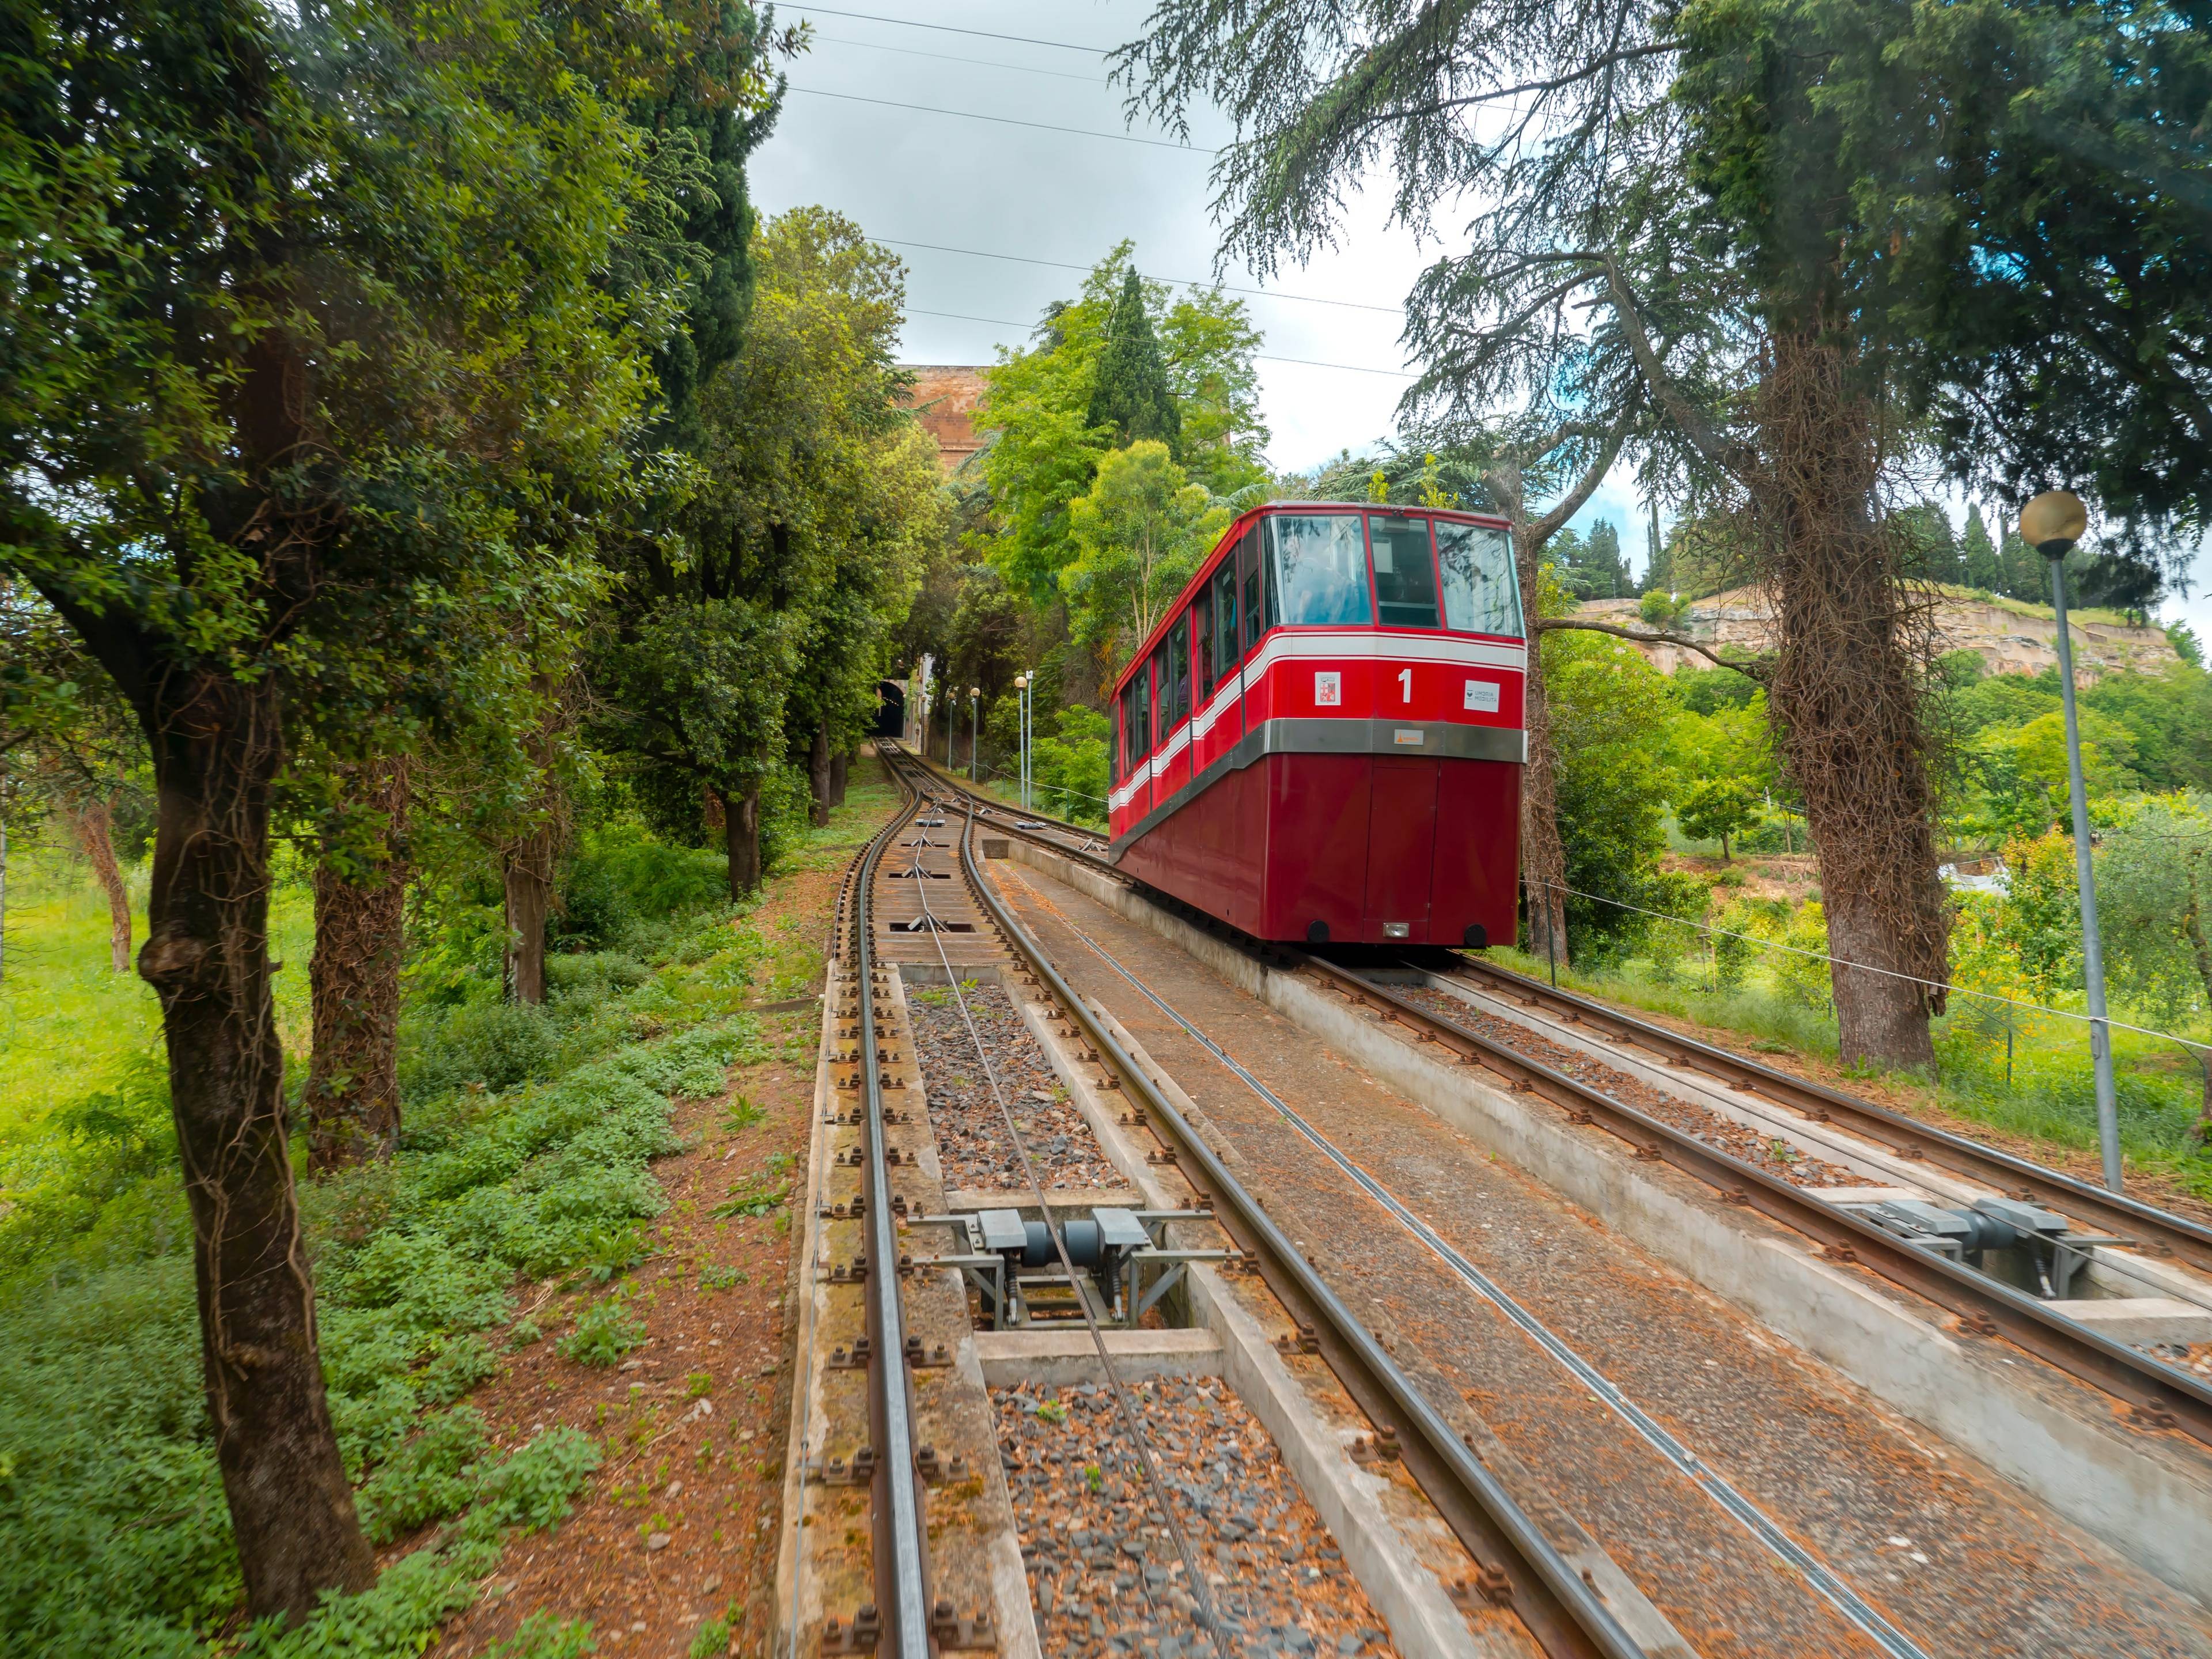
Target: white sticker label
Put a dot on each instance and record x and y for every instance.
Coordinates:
(1329, 690)
(1408, 736)
(1482, 696)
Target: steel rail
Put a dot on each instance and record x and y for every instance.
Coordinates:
(2162, 1231)
(2165, 1396)
(2161, 1395)
(1563, 1613)
(901, 1556)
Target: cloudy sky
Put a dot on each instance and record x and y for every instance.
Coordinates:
(851, 138)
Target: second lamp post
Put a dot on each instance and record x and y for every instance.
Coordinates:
(2052, 524)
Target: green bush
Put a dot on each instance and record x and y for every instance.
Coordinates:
(498, 1044)
(430, 1477)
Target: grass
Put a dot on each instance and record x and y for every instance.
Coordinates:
(526, 1155)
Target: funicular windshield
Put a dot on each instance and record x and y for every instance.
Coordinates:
(1405, 575)
(1319, 575)
(1480, 593)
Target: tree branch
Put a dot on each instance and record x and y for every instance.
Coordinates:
(1754, 668)
(1593, 475)
(1596, 65)
(1723, 454)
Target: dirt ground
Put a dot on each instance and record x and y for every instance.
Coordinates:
(679, 1526)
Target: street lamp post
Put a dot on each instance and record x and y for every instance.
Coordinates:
(1022, 739)
(2052, 524)
(976, 734)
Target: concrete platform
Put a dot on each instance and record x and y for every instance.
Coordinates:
(1063, 1356)
(2142, 1318)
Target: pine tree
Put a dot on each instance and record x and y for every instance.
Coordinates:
(1609, 570)
(1659, 560)
(1980, 554)
(1130, 393)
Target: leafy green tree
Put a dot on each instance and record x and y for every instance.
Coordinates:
(1613, 710)
(796, 545)
(1716, 809)
(1129, 388)
(1045, 446)
(2155, 909)
(1070, 766)
(1141, 530)
(2039, 283)
(305, 339)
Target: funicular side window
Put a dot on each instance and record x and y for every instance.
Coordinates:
(1177, 659)
(1481, 594)
(1249, 565)
(1318, 570)
(1225, 652)
(1202, 615)
(1404, 573)
(1136, 721)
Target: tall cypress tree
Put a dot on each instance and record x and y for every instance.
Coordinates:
(1130, 393)
(1980, 554)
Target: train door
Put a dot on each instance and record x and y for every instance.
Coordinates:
(1401, 844)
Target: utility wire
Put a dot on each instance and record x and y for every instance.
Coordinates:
(947, 58)
(947, 28)
(1184, 281)
(1302, 362)
(1006, 121)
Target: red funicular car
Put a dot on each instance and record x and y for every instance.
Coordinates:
(1322, 740)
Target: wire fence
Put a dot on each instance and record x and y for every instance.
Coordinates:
(2194, 1045)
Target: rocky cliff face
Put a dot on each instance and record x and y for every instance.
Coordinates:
(2012, 638)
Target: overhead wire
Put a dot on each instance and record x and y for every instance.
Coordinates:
(1180, 281)
(1260, 356)
(948, 58)
(948, 29)
(1006, 121)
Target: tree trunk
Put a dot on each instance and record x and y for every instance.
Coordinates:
(840, 764)
(1846, 700)
(741, 833)
(216, 744)
(817, 777)
(95, 827)
(352, 1097)
(1543, 853)
(529, 901)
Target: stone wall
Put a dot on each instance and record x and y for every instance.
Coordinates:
(946, 395)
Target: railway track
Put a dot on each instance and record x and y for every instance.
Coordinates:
(2157, 1395)
(2159, 1232)
(1517, 1565)
(902, 1608)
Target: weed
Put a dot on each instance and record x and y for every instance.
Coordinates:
(1053, 1412)
(742, 1114)
(712, 1636)
(698, 1385)
(607, 1252)
(1094, 1477)
(722, 1277)
(752, 1199)
(605, 1332)
(523, 1332)
(543, 1634)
